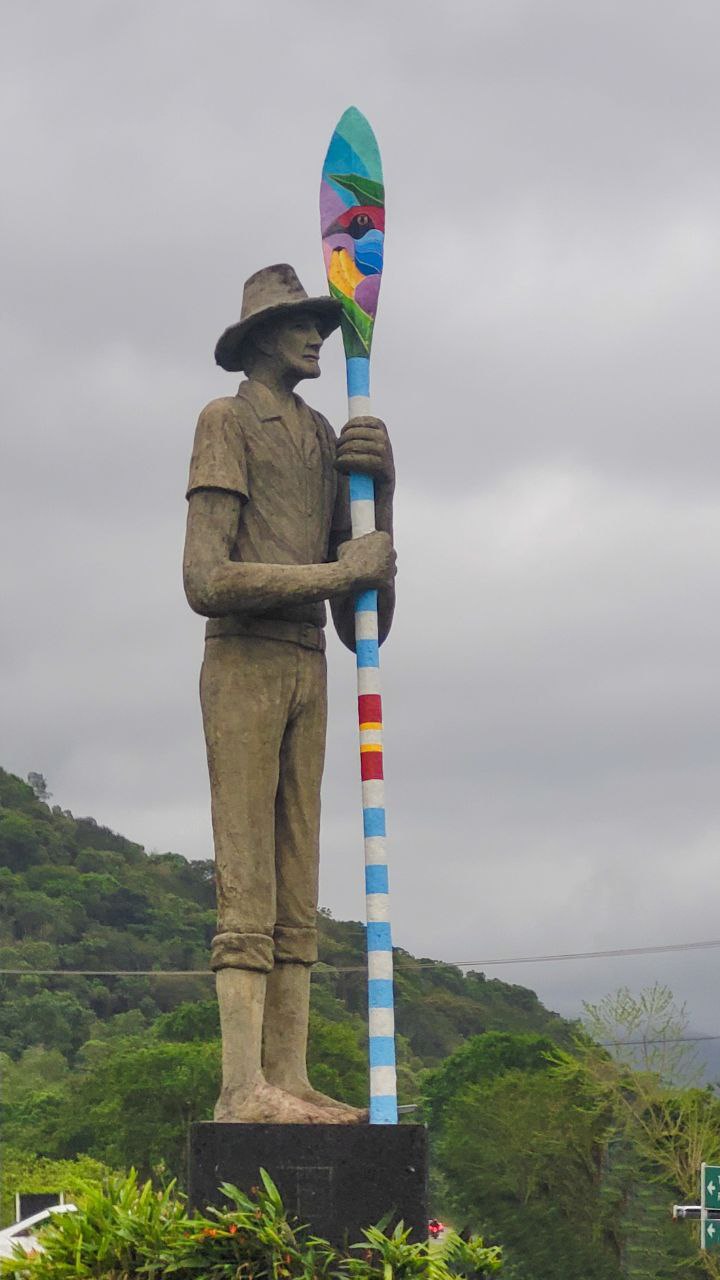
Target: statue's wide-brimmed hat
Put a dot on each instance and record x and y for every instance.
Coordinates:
(274, 291)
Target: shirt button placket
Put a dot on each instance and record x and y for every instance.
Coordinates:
(308, 507)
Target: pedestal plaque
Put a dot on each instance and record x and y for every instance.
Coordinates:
(336, 1178)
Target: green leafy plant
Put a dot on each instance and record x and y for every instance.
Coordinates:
(396, 1257)
(119, 1230)
(250, 1238)
(127, 1231)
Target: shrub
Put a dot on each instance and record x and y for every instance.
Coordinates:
(125, 1231)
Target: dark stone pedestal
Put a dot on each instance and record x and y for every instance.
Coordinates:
(336, 1178)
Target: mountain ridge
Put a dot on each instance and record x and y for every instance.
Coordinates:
(78, 896)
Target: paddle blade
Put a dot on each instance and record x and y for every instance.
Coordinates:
(352, 224)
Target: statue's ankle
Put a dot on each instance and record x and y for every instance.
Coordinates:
(241, 1086)
(289, 1080)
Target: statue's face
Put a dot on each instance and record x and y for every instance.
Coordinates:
(297, 341)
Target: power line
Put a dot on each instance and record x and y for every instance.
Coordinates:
(542, 959)
(585, 955)
(326, 969)
(323, 968)
(108, 973)
(621, 1044)
(421, 964)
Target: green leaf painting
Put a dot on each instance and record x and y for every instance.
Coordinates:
(364, 189)
(357, 326)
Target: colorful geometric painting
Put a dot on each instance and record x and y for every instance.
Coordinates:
(352, 223)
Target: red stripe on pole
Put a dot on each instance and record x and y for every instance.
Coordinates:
(369, 708)
(371, 765)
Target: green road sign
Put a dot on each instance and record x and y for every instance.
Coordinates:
(709, 1234)
(710, 1193)
(709, 1199)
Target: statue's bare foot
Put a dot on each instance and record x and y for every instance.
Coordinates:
(266, 1104)
(303, 1090)
(308, 1094)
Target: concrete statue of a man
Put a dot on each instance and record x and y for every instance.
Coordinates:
(268, 542)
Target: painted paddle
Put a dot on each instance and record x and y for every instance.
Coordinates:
(352, 223)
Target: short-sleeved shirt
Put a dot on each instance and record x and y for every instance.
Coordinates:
(293, 499)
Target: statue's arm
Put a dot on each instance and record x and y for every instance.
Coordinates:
(364, 446)
(216, 585)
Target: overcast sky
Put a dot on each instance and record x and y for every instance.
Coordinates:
(546, 359)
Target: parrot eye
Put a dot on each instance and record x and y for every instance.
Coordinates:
(361, 223)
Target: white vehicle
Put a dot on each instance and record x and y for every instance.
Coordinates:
(25, 1233)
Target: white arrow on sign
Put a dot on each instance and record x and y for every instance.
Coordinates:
(711, 1230)
(711, 1188)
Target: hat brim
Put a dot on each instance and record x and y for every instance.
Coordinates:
(228, 351)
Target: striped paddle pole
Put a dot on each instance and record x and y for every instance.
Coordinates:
(352, 215)
(381, 1013)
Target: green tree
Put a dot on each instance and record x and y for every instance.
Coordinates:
(647, 1032)
(531, 1146)
(521, 1159)
(22, 1171)
(337, 1064)
(16, 794)
(638, 1071)
(482, 1059)
(134, 1106)
(38, 1068)
(20, 842)
(54, 1019)
(193, 1020)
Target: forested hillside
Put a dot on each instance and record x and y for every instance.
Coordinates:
(115, 1066)
(539, 1139)
(76, 896)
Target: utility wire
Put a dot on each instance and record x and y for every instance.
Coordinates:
(621, 1044)
(423, 964)
(207, 973)
(108, 973)
(581, 955)
(323, 968)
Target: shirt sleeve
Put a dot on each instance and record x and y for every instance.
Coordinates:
(218, 457)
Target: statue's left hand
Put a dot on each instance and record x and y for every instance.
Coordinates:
(364, 446)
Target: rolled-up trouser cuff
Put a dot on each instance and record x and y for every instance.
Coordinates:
(295, 946)
(242, 951)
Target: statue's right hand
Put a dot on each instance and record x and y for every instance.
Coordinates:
(369, 561)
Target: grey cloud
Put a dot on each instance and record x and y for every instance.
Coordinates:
(545, 357)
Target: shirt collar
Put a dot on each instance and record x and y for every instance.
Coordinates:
(262, 399)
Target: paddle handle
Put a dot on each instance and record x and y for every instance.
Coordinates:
(381, 1011)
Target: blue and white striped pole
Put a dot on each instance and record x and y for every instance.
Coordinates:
(381, 1013)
